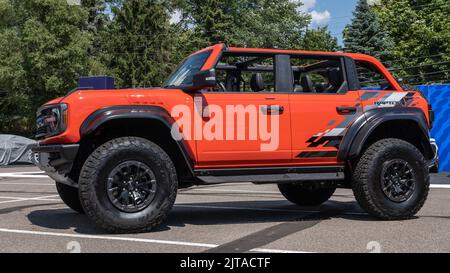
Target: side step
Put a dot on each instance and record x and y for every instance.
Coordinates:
(272, 175)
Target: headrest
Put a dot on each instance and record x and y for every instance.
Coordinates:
(307, 83)
(257, 82)
(334, 77)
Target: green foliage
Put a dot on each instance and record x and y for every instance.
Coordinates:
(250, 23)
(420, 30)
(42, 53)
(139, 42)
(366, 35)
(319, 39)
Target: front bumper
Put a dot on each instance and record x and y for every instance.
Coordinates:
(56, 161)
(434, 163)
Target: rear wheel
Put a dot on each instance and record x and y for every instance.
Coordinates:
(70, 197)
(302, 196)
(391, 180)
(128, 185)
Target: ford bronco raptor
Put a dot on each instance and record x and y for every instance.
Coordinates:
(337, 120)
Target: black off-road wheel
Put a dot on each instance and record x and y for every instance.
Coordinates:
(128, 185)
(391, 180)
(302, 196)
(70, 197)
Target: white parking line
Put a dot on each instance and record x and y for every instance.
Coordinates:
(30, 173)
(439, 186)
(11, 175)
(137, 240)
(24, 175)
(42, 198)
(12, 197)
(29, 184)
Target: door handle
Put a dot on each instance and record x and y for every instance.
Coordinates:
(272, 109)
(346, 110)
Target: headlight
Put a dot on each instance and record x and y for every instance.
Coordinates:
(51, 120)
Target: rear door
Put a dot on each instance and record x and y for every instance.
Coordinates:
(321, 110)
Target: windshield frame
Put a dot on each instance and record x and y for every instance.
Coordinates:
(169, 83)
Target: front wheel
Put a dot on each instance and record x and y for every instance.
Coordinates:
(128, 185)
(70, 197)
(302, 196)
(391, 180)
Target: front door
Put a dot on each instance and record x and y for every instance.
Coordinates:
(244, 121)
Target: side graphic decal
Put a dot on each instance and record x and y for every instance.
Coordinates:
(334, 136)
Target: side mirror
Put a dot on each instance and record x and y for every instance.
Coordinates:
(202, 79)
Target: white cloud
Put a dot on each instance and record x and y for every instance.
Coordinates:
(307, 5)
(320, 17)
(317, 17)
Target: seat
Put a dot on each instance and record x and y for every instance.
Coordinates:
(257, 82)
(307, 84)
(321, 87)
(334, 79)
(231, 82)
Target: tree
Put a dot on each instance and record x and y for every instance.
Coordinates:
(250, 23)
(97, 25)
(365, 33)
(319, 39)
(140, 42)
(97, 18)
(42, 54)
(420, 30)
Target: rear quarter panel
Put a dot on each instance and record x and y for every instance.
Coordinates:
(372, 99)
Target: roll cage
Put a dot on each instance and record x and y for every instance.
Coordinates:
(347, 60)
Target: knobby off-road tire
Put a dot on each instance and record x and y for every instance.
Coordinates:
(369, 181)
(305, 197)
(70, 197)
(97, 172)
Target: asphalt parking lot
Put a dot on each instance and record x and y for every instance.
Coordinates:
(225, 218)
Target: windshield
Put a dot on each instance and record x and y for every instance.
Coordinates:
(185, 72)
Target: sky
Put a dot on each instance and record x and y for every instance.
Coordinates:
(335, 14)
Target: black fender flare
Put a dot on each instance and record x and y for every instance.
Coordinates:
(361, 129)
(155, 113)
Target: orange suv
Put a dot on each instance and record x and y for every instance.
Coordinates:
(308, 121)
